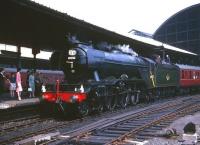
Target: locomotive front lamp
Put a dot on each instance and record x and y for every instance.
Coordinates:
(43, 89)
(82, 88)
(72, 52)
(74, 98)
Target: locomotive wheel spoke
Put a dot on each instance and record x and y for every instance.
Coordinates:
(111, 102)
(148, 98)
(100, 107)
(83, 109)
(108, 103)
(133, 99)
(137, 98)
(124, 99)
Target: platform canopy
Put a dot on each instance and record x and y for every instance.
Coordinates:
(29, 24)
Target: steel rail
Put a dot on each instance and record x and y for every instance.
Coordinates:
(76, 135)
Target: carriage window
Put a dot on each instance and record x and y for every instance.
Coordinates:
(182, 74)
(191, 75)
(194, 75)
(186, 74)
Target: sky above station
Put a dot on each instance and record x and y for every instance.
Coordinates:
(121, 15)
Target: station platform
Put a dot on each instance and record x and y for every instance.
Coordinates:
(6, 101)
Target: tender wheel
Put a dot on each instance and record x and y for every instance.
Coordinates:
(168, 92)
(83, 109)
(158, 94)
(173, 92)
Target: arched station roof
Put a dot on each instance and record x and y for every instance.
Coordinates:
(182, 30)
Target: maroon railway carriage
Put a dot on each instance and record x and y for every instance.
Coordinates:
(189, 77)
(48, 76)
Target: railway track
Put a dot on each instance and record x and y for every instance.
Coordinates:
(17, 114)
(132, 126)
(29, 129)
(13, 130)
(35, 125)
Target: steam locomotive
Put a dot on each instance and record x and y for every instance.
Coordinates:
(100, 79)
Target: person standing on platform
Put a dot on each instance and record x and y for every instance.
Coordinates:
(1, 80)
(12, 85)
(18, 84)
(31, 88)
(38, 84)
(27, 80)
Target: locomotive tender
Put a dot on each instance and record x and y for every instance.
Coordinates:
(104, 79)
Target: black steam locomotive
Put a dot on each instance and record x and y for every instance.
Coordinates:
(99, 79)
